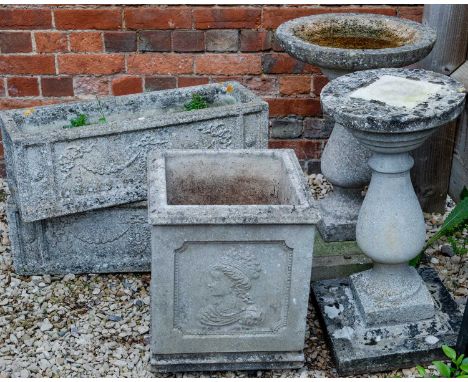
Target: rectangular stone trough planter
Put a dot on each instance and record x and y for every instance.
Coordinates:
(113, 239)
(55, 171)
(232, 242)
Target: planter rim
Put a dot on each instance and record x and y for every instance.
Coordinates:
(55, 134)
(356, 59)
(161, 213)
(371, 116)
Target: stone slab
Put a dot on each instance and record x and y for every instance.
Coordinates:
(114, 239)
(55, 171)
(232, 246)
(337, 259)
(358, 349)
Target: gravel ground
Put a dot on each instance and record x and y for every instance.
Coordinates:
(98, 325)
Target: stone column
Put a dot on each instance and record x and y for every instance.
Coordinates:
(391, 231)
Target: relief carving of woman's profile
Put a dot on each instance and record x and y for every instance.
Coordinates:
(229, 285)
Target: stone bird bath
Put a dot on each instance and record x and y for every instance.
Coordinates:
(394, 316)
(340, 44)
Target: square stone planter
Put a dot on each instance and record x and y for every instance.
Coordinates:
(232, 244)
(55, 171)
(114, 239)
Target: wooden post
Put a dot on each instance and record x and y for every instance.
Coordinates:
(462, 342)
(433, 160)
(459, 175)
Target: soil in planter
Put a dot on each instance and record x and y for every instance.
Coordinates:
(351, 35)
(239, 190)
(110, 116)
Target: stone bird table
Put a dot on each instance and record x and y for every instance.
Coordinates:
(390, 316)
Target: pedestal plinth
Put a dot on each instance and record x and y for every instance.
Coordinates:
(390, 112)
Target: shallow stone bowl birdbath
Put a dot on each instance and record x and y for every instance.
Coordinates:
(340, 44)
(392, 112)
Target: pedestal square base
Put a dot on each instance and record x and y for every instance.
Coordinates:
(394, 297)
(359, 349)
(172, 363)
(339, 211)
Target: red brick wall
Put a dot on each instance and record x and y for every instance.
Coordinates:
(52, 54)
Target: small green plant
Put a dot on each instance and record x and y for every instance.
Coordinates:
(102, 118)
(83, 119)
(454, 224)
(458, 367)
(80, 120)
(197, 102)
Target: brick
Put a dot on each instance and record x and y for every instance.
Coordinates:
(286, 128)
(188, 41)
(228, 64)
(57, 86)
(2, 87)
(318, 128)
(88, 18)
(154, 41)
(127, 85)
(158, 18)
(274, 16)
(91, 64)
(192, 81)
(275, 45)
(160, 83)
(39, 64)
(18, 103)
(15, 42)
(120, 41)
(23, 87)
(91, 86)
(304, 148)
(411, 13)
(17, 18)
(220, 79)
(86, 42)
(160, 63)
(294, 106)
(318, 83)
(227, 17)
(261, 85)
(222, 40)
(51, 42)
(291, 85)
(255, 41)
(282, 63)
